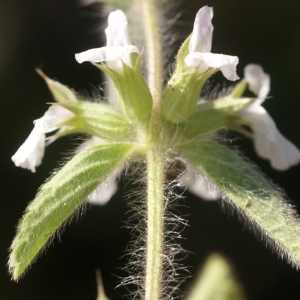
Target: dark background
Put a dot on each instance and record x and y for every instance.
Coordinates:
(46, 34)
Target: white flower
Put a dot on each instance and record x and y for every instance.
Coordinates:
(198, 184)
(200, 47)
(103, 193)
(268, 141)
(118, 47)
(31, 152)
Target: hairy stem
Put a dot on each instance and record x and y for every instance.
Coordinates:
(155, 158)
(153, 50)
(155, 225)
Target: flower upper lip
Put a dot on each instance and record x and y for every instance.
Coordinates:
(200, 47)
(201, 39)
(116, 31)
(119, 47)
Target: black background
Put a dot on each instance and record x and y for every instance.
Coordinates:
(46, 34)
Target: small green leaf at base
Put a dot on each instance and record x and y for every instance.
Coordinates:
(262, 206)
(59, 198)
(216, 281)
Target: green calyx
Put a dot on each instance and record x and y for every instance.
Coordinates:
(97, 119)
(212, 116)
(92, 118)
(61, 93)
(183, 89)
(239, 89)
(181, 55)
(133, 95)
(181, 95)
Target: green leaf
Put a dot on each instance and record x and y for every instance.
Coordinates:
(216, 281)
(60, 197)
(97, 119)
(255, 199)
(215, 115)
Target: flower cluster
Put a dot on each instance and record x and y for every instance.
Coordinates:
(269, 142)
(184, 128)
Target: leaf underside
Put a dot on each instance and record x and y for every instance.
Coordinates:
(258, 203)
(59, 198)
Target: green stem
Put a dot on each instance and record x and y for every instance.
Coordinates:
(155, 158)
(153, 50)
(155, 225)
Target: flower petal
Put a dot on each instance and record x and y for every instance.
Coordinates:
(258, 80)
(31, 152)
(116, 31)
(198, 184)
(269, 142)
(103, 193)
(225, 63)
(55, 115)
(201, 39)
(118, 48)
(112, 55)
(98, 55)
